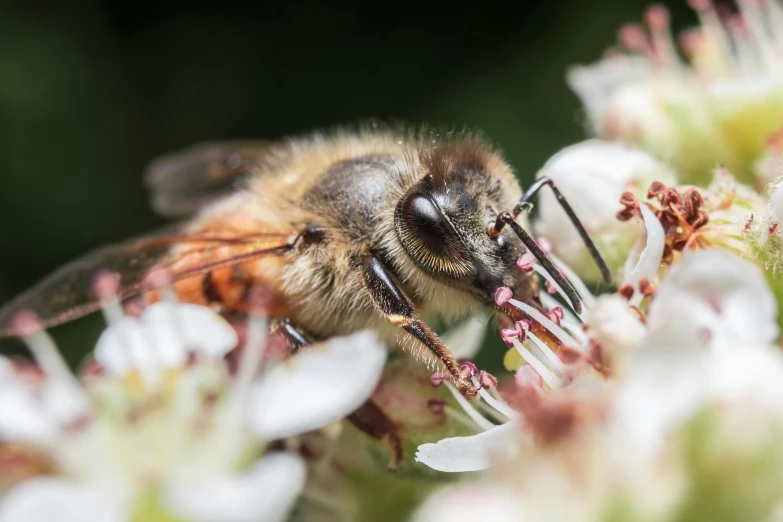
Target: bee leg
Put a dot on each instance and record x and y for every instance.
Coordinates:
(373, 421)
(369, 418)
(398, 309)
(294, 338)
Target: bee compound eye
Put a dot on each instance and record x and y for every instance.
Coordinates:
(424, 223)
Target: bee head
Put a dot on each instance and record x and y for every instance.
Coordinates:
(443, 220)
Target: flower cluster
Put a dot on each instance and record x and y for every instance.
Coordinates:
(663, 399)
(163, 425)
(724, 104)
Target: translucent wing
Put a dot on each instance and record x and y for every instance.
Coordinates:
(185, 180)
(67, 294)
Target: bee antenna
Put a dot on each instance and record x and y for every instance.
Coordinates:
(525, 204)
(506, 218)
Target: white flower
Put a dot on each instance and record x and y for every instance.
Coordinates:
(593, 175)
(471, 502)
(719, 108)
(167, 429)
(710, 339)
(537, 364)
(689, 428)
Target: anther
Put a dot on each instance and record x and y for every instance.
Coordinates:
(773, 228)
(161, 279)
(626, 291)
(526, 376)
(468, 370)
(555, 315)
(526, 261)
(569, 355)
(657, 16)
(503, 295)
(656, 189)
(509, 335)
(26, 324)
(436, 379)
(544, 244)
(106, 287)
(646, 287)
(487, 380)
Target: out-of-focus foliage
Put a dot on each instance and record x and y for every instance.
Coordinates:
(90, 91)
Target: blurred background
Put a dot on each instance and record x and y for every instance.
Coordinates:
(90, 91)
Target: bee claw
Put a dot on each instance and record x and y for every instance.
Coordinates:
(467, 389)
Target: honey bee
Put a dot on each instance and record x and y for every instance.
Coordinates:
(348, 230)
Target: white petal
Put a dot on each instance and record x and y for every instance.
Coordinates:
(57, 500)
(22, 417)
(614, 325)
(474, 453)
(471, 503)
(266, 492)
(162, 337)
(465, 340)
(730, 291)
(205, 331)
(317, 387)
(650, 258)
(593, 175)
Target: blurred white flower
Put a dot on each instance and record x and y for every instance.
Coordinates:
(593, 175)
(718, 108)
(542, 362)
(165, 428)
(687, 429)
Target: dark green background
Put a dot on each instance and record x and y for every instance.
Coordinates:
(90, 91)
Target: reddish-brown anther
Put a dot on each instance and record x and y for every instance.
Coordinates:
(626, 291)
(627, 199)
(701, 219)
(692, 203)
(671, 198)
(656, 189)
(678, 245)
(646, 287)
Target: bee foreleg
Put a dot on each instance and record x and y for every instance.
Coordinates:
(369, 418)
(398, 309)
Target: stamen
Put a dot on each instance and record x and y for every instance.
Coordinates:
(437, 378)
(556, 315)
(106, 287)
(526, 376)
(546, 355)
(468, 369)
(526, 262)
(634, 38)
(584, 294)
(550, 282)
(499, 406)
(558, 332)
(28, 326)
(162, 280)
(483, 423)
(657, 17)
(253, 352)
(713, 30)
(502, 295)
(487, 380)
(753, 17)
(549, 378)
(544, 244)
